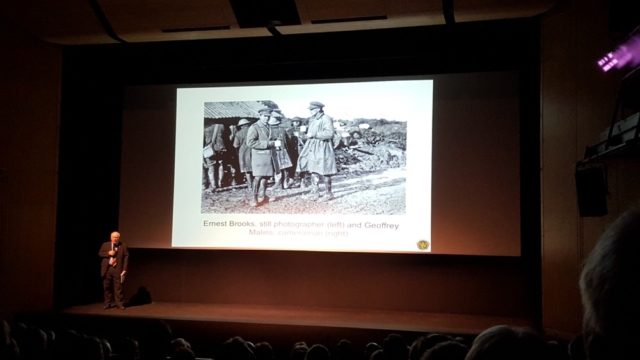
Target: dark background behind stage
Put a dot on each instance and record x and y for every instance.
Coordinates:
(93, 78)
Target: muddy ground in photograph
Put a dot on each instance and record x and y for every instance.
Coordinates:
(371, 181)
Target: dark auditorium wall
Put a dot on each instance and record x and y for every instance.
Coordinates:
(88, 200)
(577, 105)
(30, 112)
(433, 284)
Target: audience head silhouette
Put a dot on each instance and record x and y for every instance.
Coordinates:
(448, 350)
(236, 349)
(370, 349)
(182, 353)
(318, 352)
(129, 349)
(8, 346)
(507, 343)
(154, 340)
(424, 343)
(610, 291)
(263, 351)
(298, 351)
(395, 348)
(377, 355)
(344, 350)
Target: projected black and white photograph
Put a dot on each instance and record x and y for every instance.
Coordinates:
(313, 166)
(303, 157)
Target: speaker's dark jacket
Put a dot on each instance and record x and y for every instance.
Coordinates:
(122, 257)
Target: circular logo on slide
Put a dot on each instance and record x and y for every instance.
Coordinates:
(423, 244)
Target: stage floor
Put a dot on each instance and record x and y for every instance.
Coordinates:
(312, 317)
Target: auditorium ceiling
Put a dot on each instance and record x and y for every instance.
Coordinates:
(75, 22)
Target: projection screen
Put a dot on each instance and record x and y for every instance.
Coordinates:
(409, 152)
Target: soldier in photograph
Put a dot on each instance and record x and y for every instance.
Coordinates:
(296, 144)
(297, 137)
(283, 139)
(215, 155)
(317, 156)
(244, 151)
(264, 160)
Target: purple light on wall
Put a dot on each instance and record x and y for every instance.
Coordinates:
(607, 62)
(626, 54)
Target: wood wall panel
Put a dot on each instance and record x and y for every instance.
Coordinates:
(30, 102)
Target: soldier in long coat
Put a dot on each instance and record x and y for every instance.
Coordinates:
(244, 151)
(317, 156)
(216, 156)
(264, 161)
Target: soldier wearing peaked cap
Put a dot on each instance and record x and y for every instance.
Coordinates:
(317, 156)
(315, 105)
(265, 110)
(264, 161)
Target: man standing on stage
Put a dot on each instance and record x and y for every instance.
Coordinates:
(264, 160)
(115, 260)
(317, 156)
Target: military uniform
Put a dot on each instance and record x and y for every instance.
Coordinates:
(317, 156)
(264, 161)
